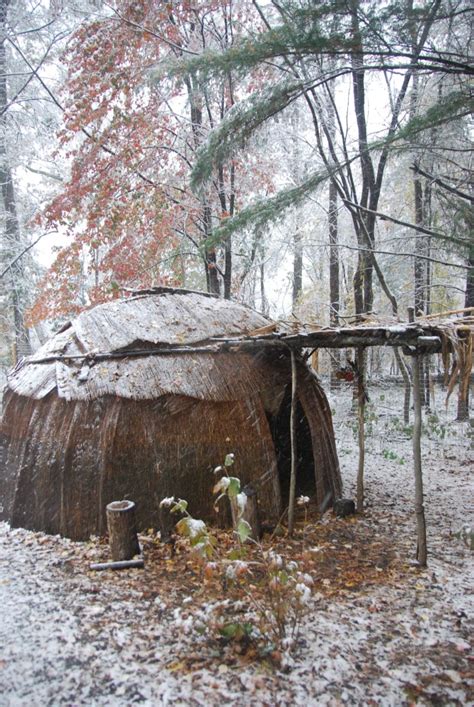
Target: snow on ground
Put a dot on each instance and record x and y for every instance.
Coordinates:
(69, 636)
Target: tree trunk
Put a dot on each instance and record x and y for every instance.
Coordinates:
(210, 258)
(11, 235)
(334, 292)
(358, 287)
(463, 400)
(297, 264)
(296, 169)
(365, 223)
(420, 274)
(263, 296)
(212, 275)
(419, 263)
(227, 277)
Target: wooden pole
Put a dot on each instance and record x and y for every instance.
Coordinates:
(419, 507)
(421, 552)
(360, 358)
(123, 538)
(123, 565)
(291, 499)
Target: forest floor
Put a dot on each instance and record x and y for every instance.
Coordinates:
(378, 630)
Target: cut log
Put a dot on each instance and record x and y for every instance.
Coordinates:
(249, 513)
(123, 538)
(124, 565)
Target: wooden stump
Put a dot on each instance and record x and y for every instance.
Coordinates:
(167, 523)
(249, 513)
(344, 507)
(123, 538)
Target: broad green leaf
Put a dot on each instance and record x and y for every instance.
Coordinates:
(180, 506)
(229, 630)
(283, 577)
(244, 531)
(204, 546)
(237, 631)
(233, 488)
(182, 527)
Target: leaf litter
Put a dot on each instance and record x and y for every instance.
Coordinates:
(379, 629)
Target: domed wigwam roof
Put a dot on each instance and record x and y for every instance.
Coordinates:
(161, 319)
(137, 399)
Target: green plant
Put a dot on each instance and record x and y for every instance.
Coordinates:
(265, 597)
(435, 428)
(229, 486)
(197, 532)
(396, 424)
(388, 454)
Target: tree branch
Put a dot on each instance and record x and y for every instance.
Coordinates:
(442, 184)
(422, 229)
(23, 252)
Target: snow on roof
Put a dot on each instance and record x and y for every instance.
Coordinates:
(146, 320)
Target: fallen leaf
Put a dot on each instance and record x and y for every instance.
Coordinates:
(453, 675)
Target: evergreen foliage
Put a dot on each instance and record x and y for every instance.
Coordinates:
(453, 106)
(239, 124)
(360, 38)
(268, 210)
(302, 33)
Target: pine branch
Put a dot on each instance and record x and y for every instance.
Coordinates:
(453, 106)
(266, 211)
(239, 124)
(303, 34)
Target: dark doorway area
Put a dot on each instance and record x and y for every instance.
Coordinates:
(280, 427)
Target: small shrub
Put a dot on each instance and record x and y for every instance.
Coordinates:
(388, 454)
(264, 600)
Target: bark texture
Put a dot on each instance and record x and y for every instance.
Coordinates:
(122, 529)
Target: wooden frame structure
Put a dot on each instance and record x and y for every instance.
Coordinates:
(453, 339)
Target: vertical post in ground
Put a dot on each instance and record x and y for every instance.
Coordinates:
(419, 507)
(291, 500)
(421, 551)
(360, 363)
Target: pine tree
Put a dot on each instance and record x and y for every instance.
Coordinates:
(361, 39)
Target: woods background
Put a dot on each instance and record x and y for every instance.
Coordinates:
(309, 159)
